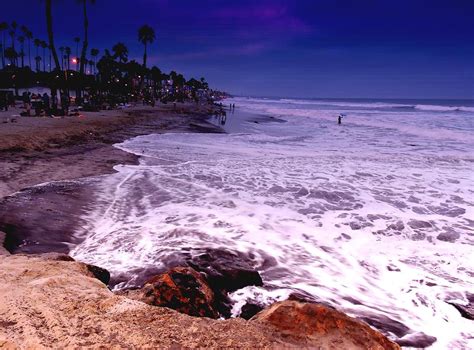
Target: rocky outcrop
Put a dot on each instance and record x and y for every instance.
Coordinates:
(3, 251)
(60, 304)
(316, 325)
(182, 289)
(54, 302)
(225, 271)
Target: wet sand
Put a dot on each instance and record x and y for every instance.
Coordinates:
(35, 151)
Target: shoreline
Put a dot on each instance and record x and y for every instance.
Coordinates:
(40, 201)
(32, 148)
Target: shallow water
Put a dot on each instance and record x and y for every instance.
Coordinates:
(375, 216)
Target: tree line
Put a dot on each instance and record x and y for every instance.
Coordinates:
(112, 74)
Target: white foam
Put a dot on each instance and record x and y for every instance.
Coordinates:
(350, 214)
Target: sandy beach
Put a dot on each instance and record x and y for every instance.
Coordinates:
(35, 150)
(43, 150)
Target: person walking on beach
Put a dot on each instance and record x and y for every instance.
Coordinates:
(339, 119)
(26, 102)
(65, 104)
(46, 106)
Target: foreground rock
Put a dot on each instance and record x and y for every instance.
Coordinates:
(182, 289)
(60, 304)
(53, 302)
(226, 271)
(316, 325)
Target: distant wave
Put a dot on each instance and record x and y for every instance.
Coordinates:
(438, 108)
(375, 105)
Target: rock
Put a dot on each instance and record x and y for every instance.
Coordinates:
(417, 340)
(316, 325)
(56, 305)
(182, 289)
(449, 236)
(226, 270)
(249, 310)
(467, 310)
(3, 250)
(100, 273)
(386, 324)
(55, 257)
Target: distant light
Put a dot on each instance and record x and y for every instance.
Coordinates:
(74, 60)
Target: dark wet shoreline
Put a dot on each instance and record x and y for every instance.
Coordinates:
(43, 218)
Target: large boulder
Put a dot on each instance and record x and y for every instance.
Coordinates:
(226, 271)
(182, 289)
(316, 325)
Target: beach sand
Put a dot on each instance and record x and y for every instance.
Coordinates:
(36, 151)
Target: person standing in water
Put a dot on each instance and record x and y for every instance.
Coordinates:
(339, 119)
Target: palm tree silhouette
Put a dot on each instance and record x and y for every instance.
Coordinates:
(61, 49)
(13, 27)
(146, 35)
(77, 40)
(21, 40)
(3, 28)
(120, 52)
(67, 51)
(11, 55)
(38, 63)
(94, 54)
(28, 35)
(85, 43)
(44, 45)
(49, 25)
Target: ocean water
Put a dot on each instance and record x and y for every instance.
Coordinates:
(374, 216)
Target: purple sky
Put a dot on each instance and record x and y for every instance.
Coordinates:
(298, 48)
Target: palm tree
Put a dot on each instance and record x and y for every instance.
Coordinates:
(13, 27)
(11, 55)
(49, 25)
(85, 43)
(50, 59)
(61, 49)
(146, 35)
(44, 45)
(28, 35)
(120, 52)
(91, 65)
(94, 54)
(3, 29)
(12, 36)
(67, 52)
(77, 40)
(21, 40)
(38, 63)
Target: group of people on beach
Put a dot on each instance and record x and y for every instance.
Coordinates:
(43, 105)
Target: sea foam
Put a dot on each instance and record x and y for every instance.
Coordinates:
(373, 217)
